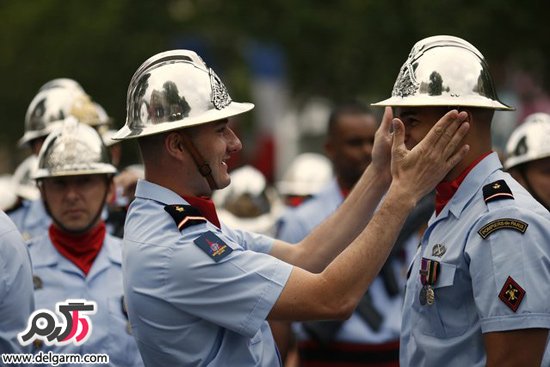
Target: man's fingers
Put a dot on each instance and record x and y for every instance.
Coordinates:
(456, 139)
(387, 119)
(398, 141)
(437, 132)
(450, 131)
(458, 156)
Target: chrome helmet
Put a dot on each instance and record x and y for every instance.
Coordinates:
(62, 83)
(8, 199)
(102, 117)
(529, 141)
(74, 149)
(23, 181)
(306, 175)
(175, 89)
(51, 106)
(444, 71)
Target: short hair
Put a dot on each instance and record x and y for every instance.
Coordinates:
(350, 107)
(150, 146)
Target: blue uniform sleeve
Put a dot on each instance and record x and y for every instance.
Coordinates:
(251, 241)
(290, 228)
(16, 289)
(510, 269)
(236, 292)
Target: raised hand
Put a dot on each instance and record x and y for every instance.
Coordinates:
(381, 150)
(419, 170)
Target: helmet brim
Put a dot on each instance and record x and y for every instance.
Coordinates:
(233, 109)
(442, 101)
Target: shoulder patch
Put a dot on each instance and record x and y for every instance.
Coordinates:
(497, 190)
(511, 294)
(185, 215)
(213, 246)
(502, 223)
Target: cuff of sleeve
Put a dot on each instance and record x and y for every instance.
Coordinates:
(280, 275)
(516, 322)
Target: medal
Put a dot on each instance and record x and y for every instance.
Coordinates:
(422, 296)
(428, 276)
(430, 296)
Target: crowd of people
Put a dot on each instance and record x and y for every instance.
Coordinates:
(410, 242)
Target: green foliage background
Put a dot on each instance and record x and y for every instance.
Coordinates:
(333, 48)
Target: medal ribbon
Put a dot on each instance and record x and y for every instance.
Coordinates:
(429, 270)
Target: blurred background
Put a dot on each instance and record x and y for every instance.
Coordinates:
(292, 58)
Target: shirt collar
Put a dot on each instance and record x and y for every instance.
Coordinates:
(445, 190)
(152, 191)
(471, 184)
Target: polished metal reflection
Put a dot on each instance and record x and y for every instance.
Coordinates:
(444, 71)
(74, 149)
(175, 89)
(50, 106)
(62, 83)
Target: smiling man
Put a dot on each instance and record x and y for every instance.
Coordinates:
(477, 292)
(199, 293)
(76, 258)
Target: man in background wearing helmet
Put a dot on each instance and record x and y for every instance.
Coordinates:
(198, 292)
(307, 174)
(249, 203)
(76, 258)
(372, 332)
(477, 292)
(528, 156)
(55, 100)
(16, 294)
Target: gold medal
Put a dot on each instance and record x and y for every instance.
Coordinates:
(430, 296)
(422, 296)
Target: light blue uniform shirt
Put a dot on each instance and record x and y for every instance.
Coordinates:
(474, 271)
(61, 280)
(16, 294)
(297, 223)
(31, 218)
(187, 309)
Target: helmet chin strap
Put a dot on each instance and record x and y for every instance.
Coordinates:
(200, 162)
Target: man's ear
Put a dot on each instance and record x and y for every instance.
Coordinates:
(173, 143)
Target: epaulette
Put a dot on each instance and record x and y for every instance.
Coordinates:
(497, 190)
(185, 215)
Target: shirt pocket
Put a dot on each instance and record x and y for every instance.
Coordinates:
(448, 316)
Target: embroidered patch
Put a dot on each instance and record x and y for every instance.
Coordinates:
(503, 223)
(439, 250)
(213, 246)
(497, 190)
(511, 294)
(185, 215)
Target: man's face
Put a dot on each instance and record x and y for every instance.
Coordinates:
(75, 201)
(216, 143)
(418, 121)
(538, 174)
(350, 145)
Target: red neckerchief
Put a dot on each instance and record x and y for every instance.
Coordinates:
(80, 249)
(445, 190)
(206, 207)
